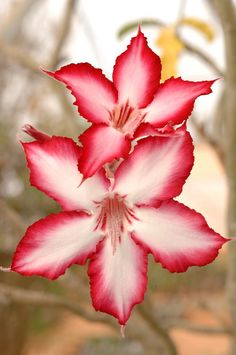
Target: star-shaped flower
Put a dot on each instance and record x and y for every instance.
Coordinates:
(114, 222)
(134, 100)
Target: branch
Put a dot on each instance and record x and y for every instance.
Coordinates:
(12, 215)
(19, 56)
(203, 56)
(37, 298)
(136, 330)
(147, 312)
(16, 11)
(27, 61)
(30, 64)
(63, 33)
(55, 59)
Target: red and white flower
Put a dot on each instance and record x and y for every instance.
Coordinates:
(135, 97)
(115, 222)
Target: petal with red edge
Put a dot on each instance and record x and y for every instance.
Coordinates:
(35, 133)
(101, 144)
(137, 73)
(176, 235)
(118, 281)
(174, 101)
(156, 169)
(146, 129)
(54, 243)
(53, 170)
(95, 95)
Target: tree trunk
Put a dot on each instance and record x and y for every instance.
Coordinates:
(227, 16)
(13, 321)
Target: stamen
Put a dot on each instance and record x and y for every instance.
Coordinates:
(126, 118)
(113, 217)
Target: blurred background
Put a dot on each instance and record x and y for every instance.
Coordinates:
(187, 314)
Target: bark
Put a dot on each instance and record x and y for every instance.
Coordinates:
(13, 321)
(148, 313)
(227, 16)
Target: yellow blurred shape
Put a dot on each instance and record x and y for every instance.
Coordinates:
(199, 25)
(171, 48)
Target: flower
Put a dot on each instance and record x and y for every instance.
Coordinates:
(134, 98)
(114, 222)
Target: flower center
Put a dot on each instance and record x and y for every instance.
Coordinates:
(126, 118)
(113, 218)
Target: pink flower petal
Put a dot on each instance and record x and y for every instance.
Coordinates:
(177, 236)
(156, 169)
(95, 95)
(174, 101)
(53, 170)
(146, 130)
(54, 243)
(118, 281)
(101, 144)
(35, 133)
(137, 73)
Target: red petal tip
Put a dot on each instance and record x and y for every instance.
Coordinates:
(219, 78)
(83, 180)
(35, 133)
(48, 72)
(139, 29)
